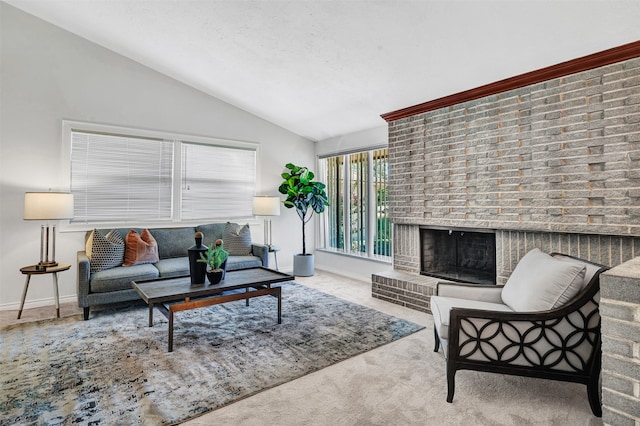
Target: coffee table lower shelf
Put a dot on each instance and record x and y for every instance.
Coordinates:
(173, 295)
(169, 309)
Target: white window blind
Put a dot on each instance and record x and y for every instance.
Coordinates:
(217, 181)
(120, 178)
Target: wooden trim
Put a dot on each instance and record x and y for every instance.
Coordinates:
(606, 57)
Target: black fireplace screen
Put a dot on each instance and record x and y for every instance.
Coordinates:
(458, 255)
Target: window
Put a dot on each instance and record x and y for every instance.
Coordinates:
(357, 219)
(127, 175)
(217, 182)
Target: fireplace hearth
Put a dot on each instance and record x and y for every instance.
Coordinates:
(458, 255)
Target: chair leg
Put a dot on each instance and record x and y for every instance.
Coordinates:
(86, 313)
(451, 382)
(593, 391)
(594, 385)
(437, 339)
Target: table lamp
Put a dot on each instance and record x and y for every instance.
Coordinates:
(266, 206)
(48, 206)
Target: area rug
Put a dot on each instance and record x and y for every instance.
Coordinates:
(114, 369)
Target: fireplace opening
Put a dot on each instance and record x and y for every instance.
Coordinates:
(458, 255)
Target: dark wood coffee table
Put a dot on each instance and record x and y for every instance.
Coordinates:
(172, 295)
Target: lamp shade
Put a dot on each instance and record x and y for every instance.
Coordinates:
(48, 205)
(266, 206)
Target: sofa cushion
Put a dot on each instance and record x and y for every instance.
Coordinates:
(237, 239)
(120, 278)
(174, 267)
(140, 248)
(540, 282)
(441, 307)
(212, 232)
(241, 262)
(105, 251)
(174, 242)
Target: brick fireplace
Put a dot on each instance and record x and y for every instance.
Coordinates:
(554, 165)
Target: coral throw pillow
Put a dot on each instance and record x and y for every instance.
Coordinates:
(140, 248)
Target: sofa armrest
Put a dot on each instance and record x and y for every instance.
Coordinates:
(483, 293)
(84, 279)
(262, 251)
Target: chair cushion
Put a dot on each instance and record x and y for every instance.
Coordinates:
(441, 307)
(540, 282)
(589, 272)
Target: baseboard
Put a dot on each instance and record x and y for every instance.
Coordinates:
(341, 272)
(38, 303)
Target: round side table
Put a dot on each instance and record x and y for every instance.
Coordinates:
(35, 270)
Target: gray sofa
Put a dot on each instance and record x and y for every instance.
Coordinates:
(114, 285)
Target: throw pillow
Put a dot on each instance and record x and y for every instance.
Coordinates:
(540, 282)
(107, 251)
(140, 248)
(237, 239)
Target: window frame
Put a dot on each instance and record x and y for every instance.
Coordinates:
(324, 236)
(68, 126)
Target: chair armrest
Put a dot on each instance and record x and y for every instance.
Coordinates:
(565, 338)
(83, 279)
(262, 251)
(483, 293)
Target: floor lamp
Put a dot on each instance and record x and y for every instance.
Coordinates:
(47, 206)
(266, 206)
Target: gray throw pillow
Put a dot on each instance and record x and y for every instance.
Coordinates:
(237, 239)
(107, 251)
(541, 282)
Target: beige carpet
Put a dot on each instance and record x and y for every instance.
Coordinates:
(402, 383)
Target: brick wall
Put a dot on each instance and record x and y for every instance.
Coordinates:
(620, 311)
(559, 156)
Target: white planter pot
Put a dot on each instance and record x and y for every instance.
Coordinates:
(303, 265)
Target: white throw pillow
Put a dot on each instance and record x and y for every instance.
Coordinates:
(540, 282)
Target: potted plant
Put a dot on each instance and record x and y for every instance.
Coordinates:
(215, 258)
(307, 197)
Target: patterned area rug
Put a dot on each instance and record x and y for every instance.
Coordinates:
(114, 369)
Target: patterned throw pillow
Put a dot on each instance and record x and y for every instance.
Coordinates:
(237, 239)
(105, 251)
(140, 248)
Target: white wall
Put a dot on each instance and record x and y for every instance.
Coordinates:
(49, 75)
(352, 266)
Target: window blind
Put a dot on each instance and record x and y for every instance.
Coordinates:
(217, 181)
(120, 178)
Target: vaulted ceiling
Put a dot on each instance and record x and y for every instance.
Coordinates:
(323, 68)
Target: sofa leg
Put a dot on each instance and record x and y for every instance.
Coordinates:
(86, 313)
(437, 339)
